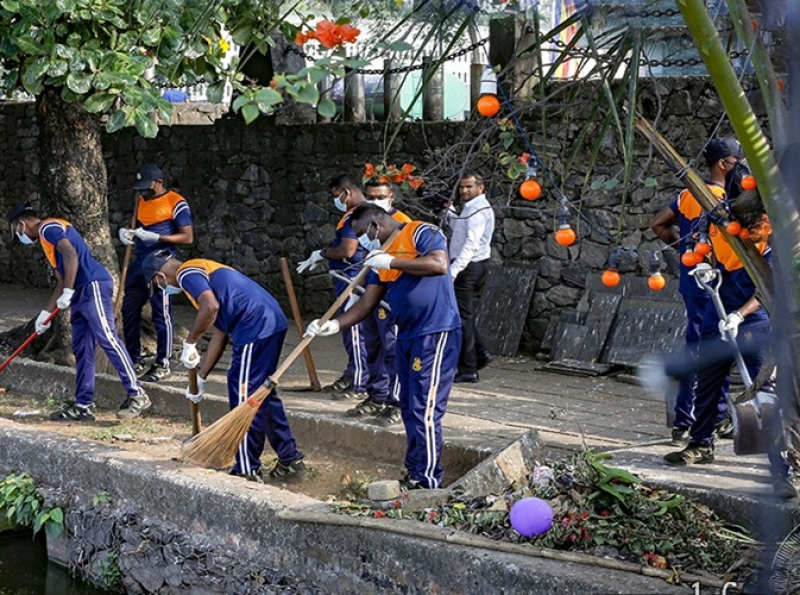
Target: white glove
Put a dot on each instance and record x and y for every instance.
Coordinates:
(730, 325)
(201, 390)
(190, 358)
(65, 298)
(312, 263)
(41, 322)
(378, 259)
(315, 329)
(148, 237)
(126, 236)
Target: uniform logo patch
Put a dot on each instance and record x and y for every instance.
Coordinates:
(417, 365)
(381, 313)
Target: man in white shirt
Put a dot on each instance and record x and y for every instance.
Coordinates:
(470, 249)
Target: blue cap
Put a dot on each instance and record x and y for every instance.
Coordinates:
(146, 175)
(153, 263)
(19, 210)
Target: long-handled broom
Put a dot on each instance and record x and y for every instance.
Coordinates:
(216, 446)
(27, 342)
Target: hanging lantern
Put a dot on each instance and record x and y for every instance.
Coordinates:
(733, 228)
(744, 234)
(656, 282)
(488, 104)
(703, 246)
(565, 236)
(690, 258)
(748, 183)
(530, 189)
(611, 276)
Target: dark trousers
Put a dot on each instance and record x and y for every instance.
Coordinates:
(468, 285)
(251, 366)
(137, 293)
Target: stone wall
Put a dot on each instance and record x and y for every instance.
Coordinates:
(258, 192)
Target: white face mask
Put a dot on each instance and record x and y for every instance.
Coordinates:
(337, 202)
(23, 238)
(384, 203)
(367, 243)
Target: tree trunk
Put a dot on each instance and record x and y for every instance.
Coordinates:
(73, 186)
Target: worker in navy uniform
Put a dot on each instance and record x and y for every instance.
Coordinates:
(238, 310)
(414, 277)
(164, 221)
(85, 288)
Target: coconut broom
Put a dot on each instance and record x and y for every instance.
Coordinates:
(215, 447)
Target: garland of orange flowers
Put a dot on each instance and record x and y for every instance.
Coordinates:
(329, 34)
(391, 173)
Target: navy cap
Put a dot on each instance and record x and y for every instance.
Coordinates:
(719, 148)
(19, 210)
(153, 263)
(146, 175)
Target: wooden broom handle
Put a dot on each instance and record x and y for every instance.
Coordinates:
(273, 380)
(194, 408)
(126, 262)
(298, 319)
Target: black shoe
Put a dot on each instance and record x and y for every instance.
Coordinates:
(133, 407)
(724, 429)
(389, 416)
(693, 454)
(408, 484)
(340, 385)
(783, 488)
(156, 373)
(680, 436)
(254, 477)
(294, 471)
(139, 368)
(484, 359)
(74, 412)
(366, 407)
(466, 377)
(348, 395)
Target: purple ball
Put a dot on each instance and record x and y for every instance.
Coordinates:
(531, 516)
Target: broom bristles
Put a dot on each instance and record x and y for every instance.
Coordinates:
(215, 447)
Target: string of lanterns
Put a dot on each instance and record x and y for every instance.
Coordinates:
(530, 189)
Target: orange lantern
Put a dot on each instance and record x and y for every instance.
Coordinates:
(530, 189)
(748, 183)
(488, 105)
(656, 282)
(611, 278)
(744, 234)
(733, 228)
(691, 258)
(703, 248)
(565, 235)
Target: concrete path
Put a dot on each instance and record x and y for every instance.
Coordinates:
(514, 395)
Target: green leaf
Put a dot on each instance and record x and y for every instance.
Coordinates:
(28, 45)
(152, 36)
(651, 182)
(240, 101)
(400, 46)
(145, 125)
(250, 112)
(79, 82)
(326, 108)
(116, 121)
(66, 5)
(243, 34)
(308, 93)
(10, 5)
(610, 184)
(57, 515)
(216, 92)
(99, 102)
(33, 75)
(58, 68)
(267, 97)
(596, 185)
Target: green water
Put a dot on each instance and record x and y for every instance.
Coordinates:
(25, 569)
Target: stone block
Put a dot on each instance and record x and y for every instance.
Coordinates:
(416, 500)
(509, 464)
(384, 490)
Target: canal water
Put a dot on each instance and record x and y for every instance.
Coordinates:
(25, 569)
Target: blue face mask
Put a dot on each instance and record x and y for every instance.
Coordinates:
(169, 289)
(337, 202)
(23, 237)
(367, 243)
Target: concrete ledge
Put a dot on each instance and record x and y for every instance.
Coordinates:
(245, 518)
(323, 430)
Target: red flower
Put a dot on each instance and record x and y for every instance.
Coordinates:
(398, 178)
(379, 514)
(301, 38)
(369, 170)
(523, 159)
(328, 35)
(384, 179)
(415, 181)
(348, 33)
(407, 168)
